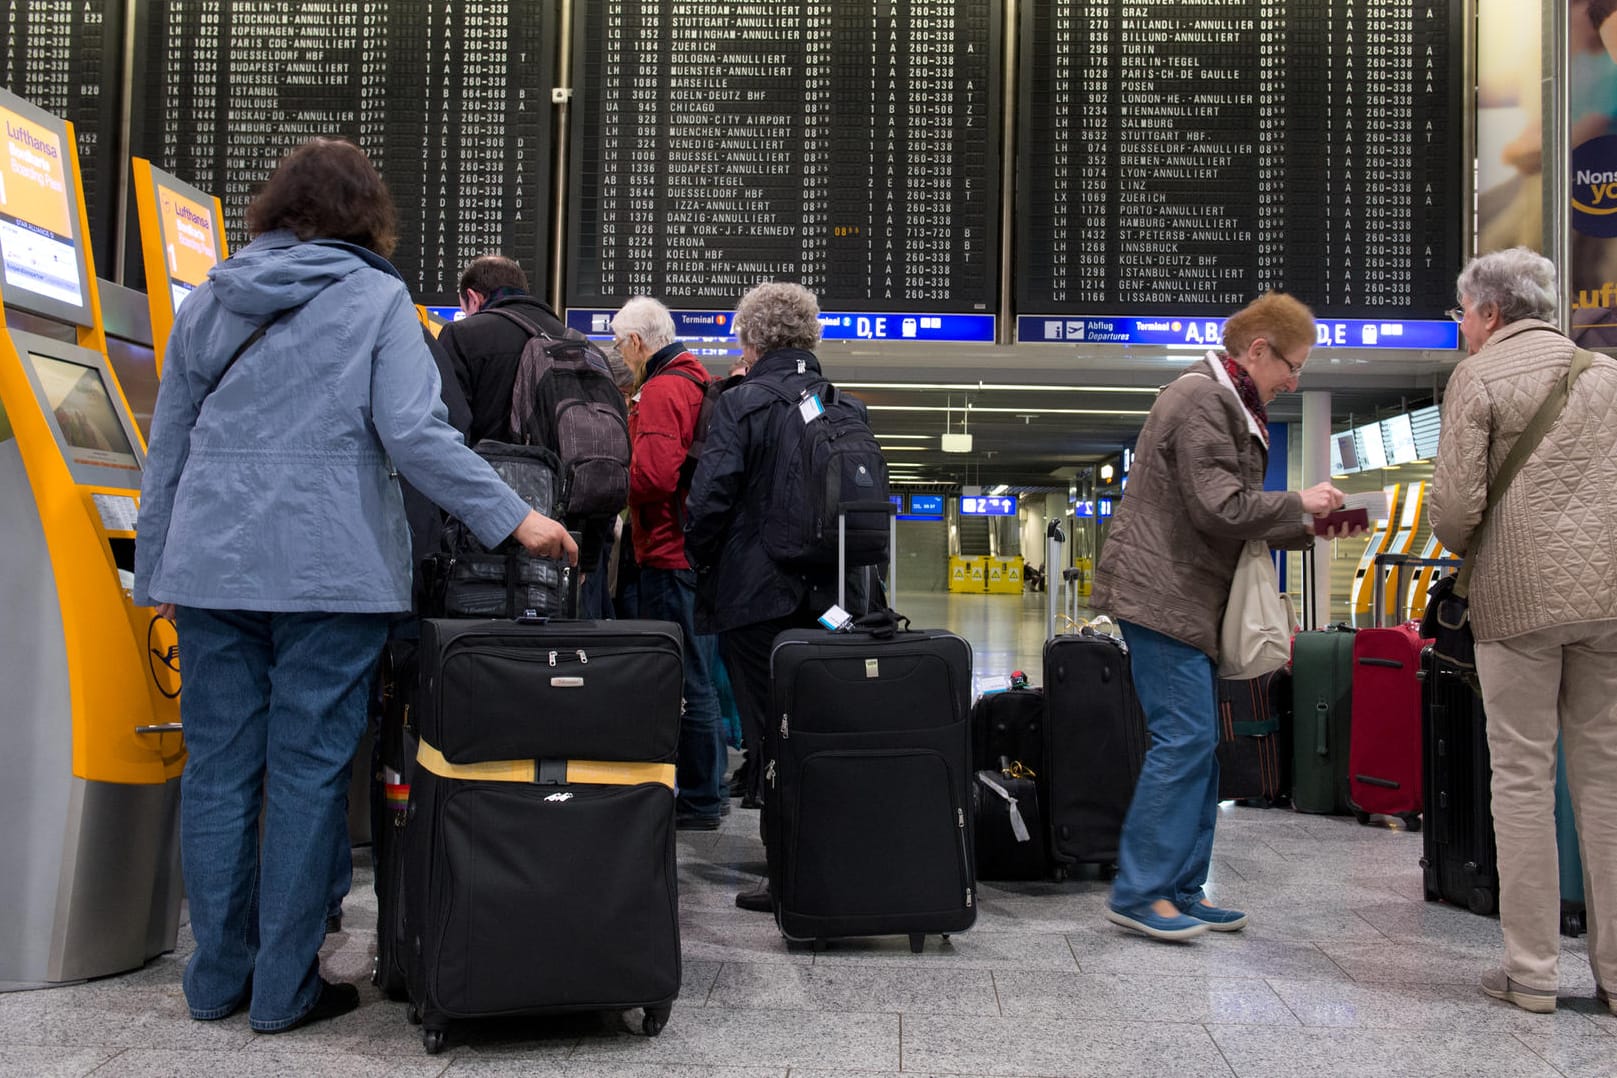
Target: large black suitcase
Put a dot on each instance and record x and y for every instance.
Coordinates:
(1008, 727)
(1253, 764)
(1095, 741)
(867, 783)
(539, 861)
(1459, 857)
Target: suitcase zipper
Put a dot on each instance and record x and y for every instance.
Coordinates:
(583, 659)
(785, 733)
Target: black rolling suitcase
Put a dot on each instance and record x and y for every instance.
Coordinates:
(867, 778)
(539, 862)
(1094, 746)
(1459, 859)
(1007, 730)
(1252, 762)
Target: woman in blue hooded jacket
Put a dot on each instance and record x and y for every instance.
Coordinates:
(272, 530)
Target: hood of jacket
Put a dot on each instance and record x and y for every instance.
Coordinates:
(277, 272)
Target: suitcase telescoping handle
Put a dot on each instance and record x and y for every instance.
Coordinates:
(1054, 582)
(891, 511)
(1403, 565)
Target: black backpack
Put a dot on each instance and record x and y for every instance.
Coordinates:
(563, 398)
(712, 390)
(820, 464)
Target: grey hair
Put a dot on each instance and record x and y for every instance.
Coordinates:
(1520, 282)
(778, 314)
(650, 319)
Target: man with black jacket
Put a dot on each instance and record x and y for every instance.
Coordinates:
(747, 597)
(485, 349)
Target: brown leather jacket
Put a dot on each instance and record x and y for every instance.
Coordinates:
(1549, 555)
(1194, 497)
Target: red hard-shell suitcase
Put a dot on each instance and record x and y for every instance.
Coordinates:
(1384, 753)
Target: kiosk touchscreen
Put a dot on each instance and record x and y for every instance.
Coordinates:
(1359, 605)
(89, 781)
(182, 237)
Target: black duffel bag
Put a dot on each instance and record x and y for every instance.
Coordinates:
(468, 580)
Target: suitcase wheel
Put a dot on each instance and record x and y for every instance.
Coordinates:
(655, 1019)
(433, 1041)
(412, 1015)
(917, 942)
(1061, 873)
(1483, 902)
(1572, 922)
(1412, 821)
(1362, 816)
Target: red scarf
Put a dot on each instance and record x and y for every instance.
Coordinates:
(1248, 390)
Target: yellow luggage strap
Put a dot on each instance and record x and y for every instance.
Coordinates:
(590, 772)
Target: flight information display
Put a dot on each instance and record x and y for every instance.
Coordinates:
(63, 57)
(1186, 156)
(450, 99)
(850, 145)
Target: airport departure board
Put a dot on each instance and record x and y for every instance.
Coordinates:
(1184, 157)
(63, 56)
(851, 145)
(449, 98)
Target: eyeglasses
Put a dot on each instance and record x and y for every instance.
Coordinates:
(1456, 313)
(1296, 369)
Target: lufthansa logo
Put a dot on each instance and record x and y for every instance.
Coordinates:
(163, 655)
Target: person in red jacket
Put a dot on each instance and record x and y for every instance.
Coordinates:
(662, 422)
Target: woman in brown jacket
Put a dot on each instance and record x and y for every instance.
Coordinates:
(1195, 497)
(1543, 606)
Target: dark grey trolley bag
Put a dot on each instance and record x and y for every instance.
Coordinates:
(539, 841)
(867, 777)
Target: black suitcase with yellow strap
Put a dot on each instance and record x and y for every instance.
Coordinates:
(539, 860)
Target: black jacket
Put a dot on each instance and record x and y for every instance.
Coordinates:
(426, 519)
(484, 349)
(741, 584)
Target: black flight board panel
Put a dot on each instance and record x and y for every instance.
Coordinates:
(1184, 157)
(449, 98)
(851, 145)
(63, 56)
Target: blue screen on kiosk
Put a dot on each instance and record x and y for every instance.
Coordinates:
(926, 505)
(972, 505)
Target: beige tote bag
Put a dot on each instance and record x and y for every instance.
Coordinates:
(1255, 638)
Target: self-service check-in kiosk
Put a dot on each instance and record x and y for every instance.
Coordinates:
(1362, 597)
(182, 237)
(1403, 539)
(89, 777)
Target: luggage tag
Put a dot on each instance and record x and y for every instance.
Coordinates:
(836, 619)
(810, 408)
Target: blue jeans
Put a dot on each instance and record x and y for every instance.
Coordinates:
(1167, 841)
(670, 595)
(274, 706)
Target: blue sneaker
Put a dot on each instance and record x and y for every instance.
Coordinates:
(1216, 918)
(1150, 923)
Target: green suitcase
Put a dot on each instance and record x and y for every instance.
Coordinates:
(1322, 718)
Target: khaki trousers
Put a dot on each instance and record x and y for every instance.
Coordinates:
(1562, 679)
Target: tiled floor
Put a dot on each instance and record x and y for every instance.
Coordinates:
(1344, 971)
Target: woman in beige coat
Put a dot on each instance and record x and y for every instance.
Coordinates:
(1543, 606)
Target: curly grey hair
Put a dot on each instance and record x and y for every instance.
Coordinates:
(1520, 282)
(648, 318)
(778, 314)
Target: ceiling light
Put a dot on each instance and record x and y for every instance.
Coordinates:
(905, 437)
(1012, 387)
(956, 443)
(906, 449)
(1008, 411)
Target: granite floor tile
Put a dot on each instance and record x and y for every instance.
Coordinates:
(1434, 921)
(106, 1016)
(1442, 1007)
(470, 1067)
(152, 1063)
(974, 949)
(1263, 1052)
(1440, 962)
(29, 1061)
(1575, 1057)
(1111, 997)
(741, 937)
(1309, 923)
(1058, 1046)
(741, 1038)
(379, 1030)
(696, 981)
(879, 989)
(1115, 950)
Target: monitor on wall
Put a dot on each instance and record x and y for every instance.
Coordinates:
(42, 261)
(193, 234)
(1372, 450)
(1399, 437)
(972, 505)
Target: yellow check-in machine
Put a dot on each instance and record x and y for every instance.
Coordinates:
(1420, 582)
(89, 776)
(1362, 596)
(182, 236)
(1402, 540)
